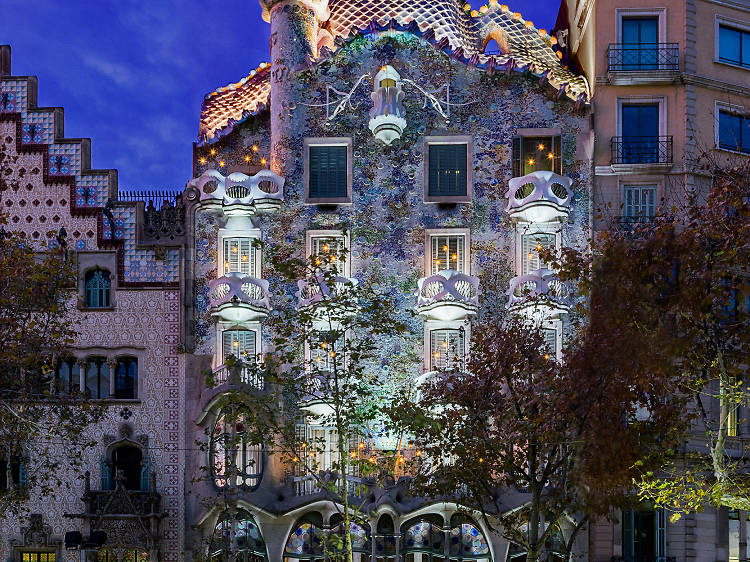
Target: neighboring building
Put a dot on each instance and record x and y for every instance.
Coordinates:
(670, 84)
(126, 354)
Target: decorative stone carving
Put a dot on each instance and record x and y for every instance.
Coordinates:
(387, 116)
(166, 224)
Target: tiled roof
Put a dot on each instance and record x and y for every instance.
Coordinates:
(451, 25)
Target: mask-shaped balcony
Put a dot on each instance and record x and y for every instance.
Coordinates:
(447, 295)
(312, 292)
(537, 295)
(236, 297)
(315, 399)
(539, 197)
(241, 194)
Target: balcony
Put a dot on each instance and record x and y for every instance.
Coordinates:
(322, 288)
(643, 63)
(238, 374)
(539, 197)
(448, 295)
(642, 153)
(236, 297)
(315, 395)
(537, 295)
(241, 194)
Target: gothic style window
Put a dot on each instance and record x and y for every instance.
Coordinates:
(537, 154)
(126, 378)
(67, 376)
(239, 255)
(98, 289)
(248, 541)
(97, 378)
(447, 350)
(232, 451)
(128, 467)
(448, 252)
(531, 246)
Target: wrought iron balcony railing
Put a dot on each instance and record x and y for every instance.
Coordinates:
(245, 375)
(629, 222)
(642, 150)
(625, 57)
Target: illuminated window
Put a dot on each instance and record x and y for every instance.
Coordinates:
(249, 545)
(240, 344)
(329, 252)
(531, 246)
(37, 557)
(535, 154)
(447, 350)
(447, 252)
(231, 450)
(240, 256)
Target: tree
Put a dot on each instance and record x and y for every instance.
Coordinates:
(676, 288)
(532, 444)
(39, 416)
(324, 366)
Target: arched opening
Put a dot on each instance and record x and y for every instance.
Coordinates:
(385, 539)
(233, 450)
(492, 48)
(98, 287)
(309, 540)
(467, 542)
(249, 545)
(127, 467)
(97, 378)
(126, 378)
(423, 539)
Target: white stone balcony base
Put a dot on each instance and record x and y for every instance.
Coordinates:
(539, 197)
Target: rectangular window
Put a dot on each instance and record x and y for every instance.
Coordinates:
(328, 170)
(97, 378)
(240, 343)
(329, 252)
(640, 37)
(550, 341)
(239, 255)
(734, 132)
(67, 377)
(448, 170)
(536, 154)
(531, 245)
(734, 46)
(640, 133)
(37, 557)
(447, 252)
(644, 534)
(325, 353)
(640, 201)
(735, 517)
(447, 350)
(16, 471)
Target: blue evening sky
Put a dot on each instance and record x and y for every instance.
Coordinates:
(131, 75)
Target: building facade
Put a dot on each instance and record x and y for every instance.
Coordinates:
(670, 94)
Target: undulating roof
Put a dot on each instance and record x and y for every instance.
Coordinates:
(452, 26)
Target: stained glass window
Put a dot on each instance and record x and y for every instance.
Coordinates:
(248, 540)
(98, 289)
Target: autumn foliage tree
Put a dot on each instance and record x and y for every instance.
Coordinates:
(673, 291)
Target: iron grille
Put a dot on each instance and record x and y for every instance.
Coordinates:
(158, 197)
(643, 56)
(642, 150)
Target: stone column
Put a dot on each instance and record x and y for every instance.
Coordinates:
(294, 36)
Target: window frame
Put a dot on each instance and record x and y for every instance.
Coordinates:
(431, 233)
(448, 139)
(327, 141)
(109, 291)
(660, 101)
(624, 187)
(125, 360)
(253, 234)
(660, 13)
(331, 233)
(36, 555)
(731, 23)
(223, 326)
(736, 110)
(523, 229)
(522, 135)
(431, 326)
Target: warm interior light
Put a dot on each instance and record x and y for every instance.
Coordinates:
(221, 163)
(361, 445)
(325, 248)
(244, 257)
(531, 161)
(203, 160)
(247, 158)
(538, 247)
(445, 248)
(454, 256)
(419, 453)
(263, 161)
(551, 155)
(324, 345)
(437, 354)
(255, 148)
(541, 147)
(445, 343)
(235, 343)
(531, 256)
(234, 249)
(213, 152)
(546, 356)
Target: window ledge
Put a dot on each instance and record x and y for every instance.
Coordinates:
(731, 64)
(451, 199)
(643, 77)
(83, 308)
(115, 401)
(731, 151)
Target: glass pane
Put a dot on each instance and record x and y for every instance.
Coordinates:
(97, 379)
(447, 173)
(745, 133)
(729, 131)
(447, 253)
(328, 171)
(745, 49)
(640, 200)
(240, 343)
(532, 244)
(447, 350)
(539, 154)
(729, 45)
(327, 251)
(239, 255)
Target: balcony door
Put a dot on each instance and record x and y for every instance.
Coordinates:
(640, 133)
(640, 37)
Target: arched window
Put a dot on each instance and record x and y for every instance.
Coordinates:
(98, 288)
(248, 541)
(423, 540)
(310, 541)
(127, 467)
(385, 540)
(232, 451)
(67, 376)
(126, 378)
(97, 378)
(467, 542)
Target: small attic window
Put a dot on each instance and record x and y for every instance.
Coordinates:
(492, 48)
(387, 83)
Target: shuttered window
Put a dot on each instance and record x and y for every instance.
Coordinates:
(531, 245)
(447, 253)
(329, 250)
(326, 354)
(550, 341)
(447, 350)
(640, 200)
(239, 255)
(533, 154)
(240, 343)
(328, 172)
(448, 170)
